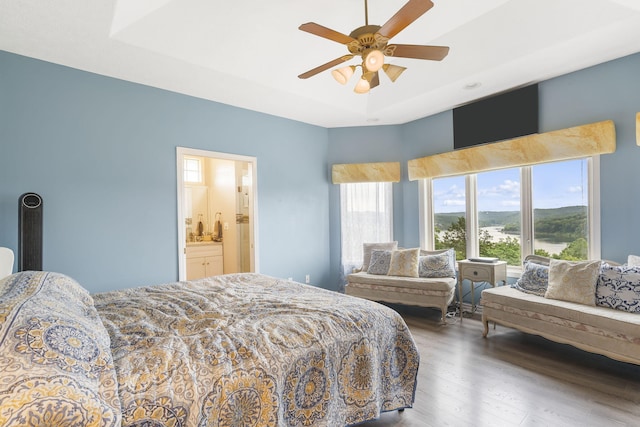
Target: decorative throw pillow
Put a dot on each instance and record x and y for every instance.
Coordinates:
(619, 287)
(404, 262)
(573, 281)
(437, 265)
(367, 248)
(380, 261)
(534, 279)
(633, 261)
(451, 252)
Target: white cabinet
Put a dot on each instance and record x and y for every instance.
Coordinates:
(204, 260)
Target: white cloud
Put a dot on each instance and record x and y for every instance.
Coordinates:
(453, 196)
(453, 191)
(508, 188)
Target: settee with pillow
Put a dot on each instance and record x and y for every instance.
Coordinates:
(405, 276)
(592, 305)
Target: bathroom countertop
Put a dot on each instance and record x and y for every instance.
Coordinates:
(211, 242)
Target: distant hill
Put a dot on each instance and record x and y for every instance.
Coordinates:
(559, 212)
(550, 224)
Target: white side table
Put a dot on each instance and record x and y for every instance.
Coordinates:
(474, 271)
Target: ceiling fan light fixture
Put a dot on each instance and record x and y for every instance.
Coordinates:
(374, 60)
(393, 71)
(342, 75)
(363, 86)
(371, 44)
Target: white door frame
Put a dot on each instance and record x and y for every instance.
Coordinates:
(253, 223)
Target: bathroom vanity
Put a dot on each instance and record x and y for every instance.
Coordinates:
(204, 259)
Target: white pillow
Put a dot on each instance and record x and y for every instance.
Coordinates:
(633, 260)
(573, 281)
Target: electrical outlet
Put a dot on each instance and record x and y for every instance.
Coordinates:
(307, 278)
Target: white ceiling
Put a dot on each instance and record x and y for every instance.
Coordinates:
(249, 53)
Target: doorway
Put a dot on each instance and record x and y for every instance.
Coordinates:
(217, 213)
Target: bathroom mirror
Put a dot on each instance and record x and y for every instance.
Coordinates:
(196, 207)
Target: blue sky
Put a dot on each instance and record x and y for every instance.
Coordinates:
(554, 185)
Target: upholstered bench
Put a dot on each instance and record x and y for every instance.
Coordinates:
(608, 327)
(418, 291)
(405, 276)
(613, 333)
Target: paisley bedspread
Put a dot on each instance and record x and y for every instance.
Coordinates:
(56, 367)
(251, 350)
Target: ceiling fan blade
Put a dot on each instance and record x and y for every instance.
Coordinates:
(326, 66)
(375, 80)
(408, 13)
(327, 33)
(434, 53)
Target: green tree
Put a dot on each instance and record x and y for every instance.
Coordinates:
(575, 251)
(565, 227)
(511, 228)
(506, 249)
(562, 229)
(542, 252)
(454, 237)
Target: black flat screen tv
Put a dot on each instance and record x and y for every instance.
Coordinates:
(504, 116)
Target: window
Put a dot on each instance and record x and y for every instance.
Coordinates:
(499, 216)
(192, 170)
(560, 207)
(449, 207)
(548, 209)
(366, 216)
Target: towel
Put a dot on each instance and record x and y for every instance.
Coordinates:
(218, 229)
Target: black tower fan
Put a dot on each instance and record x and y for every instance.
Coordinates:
(30, 232)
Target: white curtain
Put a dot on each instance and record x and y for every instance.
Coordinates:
(366, 216)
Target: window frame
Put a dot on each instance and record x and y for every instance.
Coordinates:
(199, 170)
(427, 215)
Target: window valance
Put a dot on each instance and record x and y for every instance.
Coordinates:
(365, 172)
(565, 144)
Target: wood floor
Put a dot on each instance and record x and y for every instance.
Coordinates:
(511, 379)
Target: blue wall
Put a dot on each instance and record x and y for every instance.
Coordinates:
(102, 154)
(607, 91)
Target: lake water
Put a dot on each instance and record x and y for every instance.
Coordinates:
(497, 234)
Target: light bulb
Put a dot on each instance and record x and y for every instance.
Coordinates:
(374, 60)
(363, 86)
(393, 71)
(342, 75)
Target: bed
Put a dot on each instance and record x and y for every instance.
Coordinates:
(232, 350)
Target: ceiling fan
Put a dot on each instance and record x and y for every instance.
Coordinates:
(371, 43)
